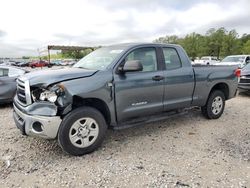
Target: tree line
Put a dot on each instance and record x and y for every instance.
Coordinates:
(215, 42)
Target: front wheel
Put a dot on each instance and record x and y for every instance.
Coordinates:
(215, 105)
(82, 131)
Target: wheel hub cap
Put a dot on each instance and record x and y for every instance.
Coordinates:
(84, 132)
(217, 105)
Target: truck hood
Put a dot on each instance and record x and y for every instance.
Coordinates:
(46, 77)
(245, 72)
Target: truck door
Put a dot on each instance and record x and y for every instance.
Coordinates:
(179, 80)
(7, 85)
(140, 93)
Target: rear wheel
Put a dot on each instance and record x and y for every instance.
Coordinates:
(82, 131)
(215, 105)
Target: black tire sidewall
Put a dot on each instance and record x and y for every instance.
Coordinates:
(70, 119)
(209, 112)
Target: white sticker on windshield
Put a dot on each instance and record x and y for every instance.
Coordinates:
(115, 51)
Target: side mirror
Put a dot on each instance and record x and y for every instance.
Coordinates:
(248, 61)
(131, 66)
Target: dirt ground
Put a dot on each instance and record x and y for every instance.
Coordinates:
(185, 151)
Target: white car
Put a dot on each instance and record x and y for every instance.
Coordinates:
(207, 60)
(240, 60)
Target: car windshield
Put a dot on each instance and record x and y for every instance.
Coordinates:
(100, 59)
(233, 59)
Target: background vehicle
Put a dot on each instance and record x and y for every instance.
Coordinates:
(21, 64)
(56, 62)
(117, 86)
(244, 84)
(40, 63)
(207, 60)
(8, 76)
(67, 62)
(239, 60)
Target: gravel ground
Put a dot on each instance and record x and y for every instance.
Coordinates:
(185, 151)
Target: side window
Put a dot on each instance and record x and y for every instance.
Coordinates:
(172, 60)
(4, 72)
(248, 59)
(147, 56)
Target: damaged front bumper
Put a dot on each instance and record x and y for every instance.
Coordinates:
(39, 125)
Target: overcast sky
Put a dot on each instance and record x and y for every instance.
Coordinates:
(26, 25)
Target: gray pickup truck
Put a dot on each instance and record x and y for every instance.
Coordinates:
(117, 87)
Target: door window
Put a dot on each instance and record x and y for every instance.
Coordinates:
(147, 57)
(4, 72)
(172, 60)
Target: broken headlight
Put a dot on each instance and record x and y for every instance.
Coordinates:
(48, 96)
(51, 94)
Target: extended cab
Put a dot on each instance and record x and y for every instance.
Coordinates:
(117, 86)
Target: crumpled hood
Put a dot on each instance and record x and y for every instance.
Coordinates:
(245, 72)
(47, 77)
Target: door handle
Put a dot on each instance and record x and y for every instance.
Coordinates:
(157, 78)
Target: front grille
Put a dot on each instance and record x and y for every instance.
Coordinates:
(23, 92)
(244, 81)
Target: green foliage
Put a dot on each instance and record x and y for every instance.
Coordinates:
(246, 47)
(65, 55)
(75, 54)
(216, 42)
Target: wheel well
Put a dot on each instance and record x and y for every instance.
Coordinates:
(95, 103)
(222, 87)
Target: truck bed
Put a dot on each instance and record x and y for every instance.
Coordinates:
(207, 76)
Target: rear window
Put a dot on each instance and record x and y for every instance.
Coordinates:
(172, 59)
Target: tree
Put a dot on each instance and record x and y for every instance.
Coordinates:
(191, 44)
(230, 44)
(172, 39)
(246, 47)
(75, 54)
(216, 42)
(245, 37)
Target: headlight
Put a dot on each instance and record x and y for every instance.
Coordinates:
(51, 94)
(48, 95)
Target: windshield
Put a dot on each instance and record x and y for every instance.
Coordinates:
(233, 59)
(100, 59)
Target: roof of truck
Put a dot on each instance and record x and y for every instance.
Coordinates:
(142, 44)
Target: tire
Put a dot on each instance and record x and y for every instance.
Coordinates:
(215, 105)
(82, 131)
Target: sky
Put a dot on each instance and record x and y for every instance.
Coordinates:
(29, 25)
